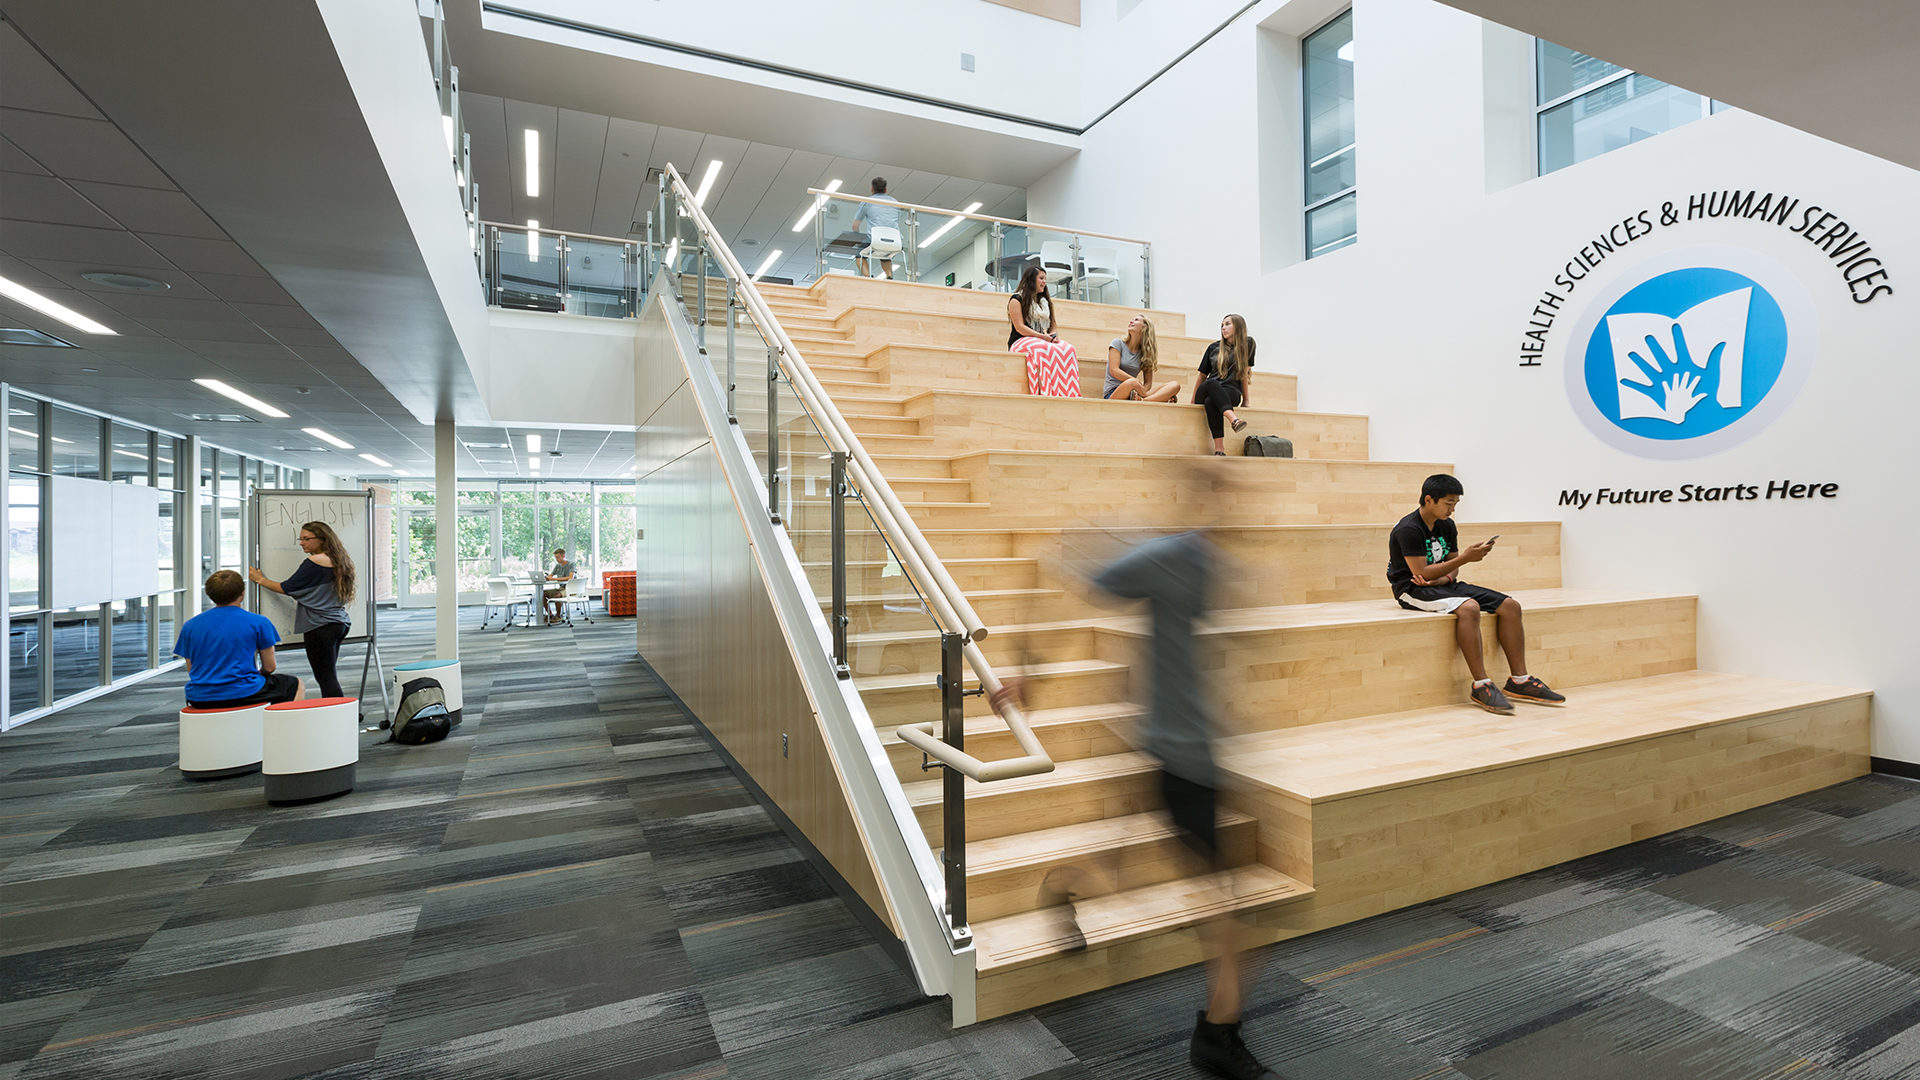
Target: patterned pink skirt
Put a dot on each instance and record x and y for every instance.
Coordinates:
(1053, 368)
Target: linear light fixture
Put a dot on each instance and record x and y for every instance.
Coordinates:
(328, 437)
(533, 464)
(243, 398)
(772, 258)
(533, 163)
(382, 462)
(13, 290)
(948, 227)
(533, 442)
(814, 207)
(31, 435)
(130, 453)
(706, 183)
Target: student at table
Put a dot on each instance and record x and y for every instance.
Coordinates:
(562, 572)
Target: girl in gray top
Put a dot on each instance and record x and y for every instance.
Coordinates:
(323, 586)
(1131, 362)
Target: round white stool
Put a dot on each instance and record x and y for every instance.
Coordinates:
(445, 672)
(217, 743)
(310, 748)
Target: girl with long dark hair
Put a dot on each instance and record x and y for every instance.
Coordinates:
(1226, 375)
(1053, 368)
(322, 588)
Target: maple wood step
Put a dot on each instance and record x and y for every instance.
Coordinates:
(1006, 875)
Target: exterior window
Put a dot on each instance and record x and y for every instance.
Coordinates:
(1331, 196)
(1587, 106)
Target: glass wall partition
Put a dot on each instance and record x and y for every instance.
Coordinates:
(74, 629)
(505, 528)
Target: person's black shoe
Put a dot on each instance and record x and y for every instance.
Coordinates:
(1217, 1049)
(1489, 697)
(1532, 689)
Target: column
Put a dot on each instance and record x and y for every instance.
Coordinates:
(446, 548)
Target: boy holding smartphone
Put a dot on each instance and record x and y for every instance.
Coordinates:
(1424, 558)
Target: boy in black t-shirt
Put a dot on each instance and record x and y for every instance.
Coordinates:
(1423, 566)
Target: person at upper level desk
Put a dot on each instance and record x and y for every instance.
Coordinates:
(562, 572)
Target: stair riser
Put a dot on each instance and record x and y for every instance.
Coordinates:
(993, 894)
(878, 425)
(837, 292)
(1038, 490)
(1036, 423)
(1009, 574)
(990, 815)
(921, 704)
(874, 327)
(1062, 742)
(1304, 676)
(994, 370)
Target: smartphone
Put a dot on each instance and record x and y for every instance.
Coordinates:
(1492, 538)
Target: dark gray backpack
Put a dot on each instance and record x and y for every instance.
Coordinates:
(422, 717)
(1267, 446)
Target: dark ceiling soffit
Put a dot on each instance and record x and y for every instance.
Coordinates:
(848, 84)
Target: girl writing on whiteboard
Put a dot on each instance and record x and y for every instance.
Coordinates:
(322, 587)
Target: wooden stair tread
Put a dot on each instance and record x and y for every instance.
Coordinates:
(974, 594)
(1038, 719)
(1066, 842)
(1032, 937)
(1064, 774)
(1339, 759)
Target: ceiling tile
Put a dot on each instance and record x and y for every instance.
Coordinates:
(107, 249)
(277, 315)
(81, 149)
(26, 197)
(151, 210)
(14, 159)
(244, 289)
(28, 81)
(300, 337)
(188, 333)
(166, 306)
(198, 255)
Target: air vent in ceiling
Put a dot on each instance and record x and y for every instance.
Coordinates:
(487, 446)
(20, 335)
(220, 418)
(304, 449)
(129, 282)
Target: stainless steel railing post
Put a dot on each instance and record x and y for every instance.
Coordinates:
(913, 245)
(560, 269)
(838, 480)
(820, 239)
(700, 297)
(1146, 275)
(996, 238)
(953, 792)
(733, 320)
(1075, 267)
(773, 440)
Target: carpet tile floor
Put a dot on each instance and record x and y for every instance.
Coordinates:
(575, 885)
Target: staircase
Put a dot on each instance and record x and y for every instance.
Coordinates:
(1359, 780)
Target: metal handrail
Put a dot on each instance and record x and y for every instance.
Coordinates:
(949, 605)
(943, 212)
(507, 226)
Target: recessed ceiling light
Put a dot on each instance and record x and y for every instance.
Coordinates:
(242, 397)
(533, 240)
(533, 164)
(328, 437)
(220, 418)
(948, 227)
(533, 442)
(113, 279)
(31, 435)
(15, 291)
(706, 183)
(772, 257)
(129, 453)
(20, 335)
(533, 463)
(382, 462)
(814, 207)
(89, 371)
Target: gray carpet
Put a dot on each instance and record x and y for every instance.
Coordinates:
(575, 885)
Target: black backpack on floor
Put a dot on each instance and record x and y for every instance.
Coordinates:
(423, 716)
(1267, 446)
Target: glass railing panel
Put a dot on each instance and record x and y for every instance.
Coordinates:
(1080, 267)
(601, 278)
(527, 271)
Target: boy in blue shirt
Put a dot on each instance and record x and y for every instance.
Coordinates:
(221, 646)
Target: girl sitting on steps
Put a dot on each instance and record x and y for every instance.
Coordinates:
(1225, 374)
(1053, 368)
(1131, 362)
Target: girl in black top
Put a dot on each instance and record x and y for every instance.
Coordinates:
(1226, 374)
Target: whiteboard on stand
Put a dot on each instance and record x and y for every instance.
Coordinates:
(277, 517)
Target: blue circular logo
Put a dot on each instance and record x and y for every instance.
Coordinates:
(1686, 349)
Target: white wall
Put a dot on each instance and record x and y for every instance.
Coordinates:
(1418, 325)
(549, 368)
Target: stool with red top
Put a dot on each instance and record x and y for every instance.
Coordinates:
(218, 743)
(309, 748)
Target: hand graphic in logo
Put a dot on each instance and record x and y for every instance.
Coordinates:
(1669, 381)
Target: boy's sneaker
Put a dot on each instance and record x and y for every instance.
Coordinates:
(1532, 689)
(1489, 697)
(1217, 1048)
